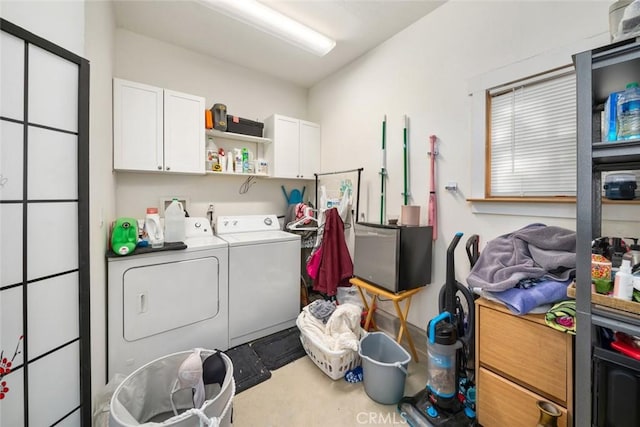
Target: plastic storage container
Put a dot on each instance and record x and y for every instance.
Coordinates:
(629, 112)
(153, 229)
(620, 186)
(243, 126)
(174, 226)
(384, 367)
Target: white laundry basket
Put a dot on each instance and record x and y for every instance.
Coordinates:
(144, 397)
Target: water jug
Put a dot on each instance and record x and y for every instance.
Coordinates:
(174, 224)
(629, 112)
(153, 229)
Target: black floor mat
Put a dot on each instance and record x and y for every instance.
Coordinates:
(279, 349)
(248, 369)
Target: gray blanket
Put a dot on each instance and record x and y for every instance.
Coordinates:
(532, 252)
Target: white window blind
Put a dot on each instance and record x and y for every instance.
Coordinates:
(533, 136)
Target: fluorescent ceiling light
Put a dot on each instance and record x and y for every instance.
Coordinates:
(268, 20)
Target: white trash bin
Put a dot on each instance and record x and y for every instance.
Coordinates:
(145, 397)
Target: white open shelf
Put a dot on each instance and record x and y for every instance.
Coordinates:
(237, 174)
(237, 137)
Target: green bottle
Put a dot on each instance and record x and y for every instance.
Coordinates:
(245, 160)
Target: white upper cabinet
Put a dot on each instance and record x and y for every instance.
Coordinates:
(157, 129)
(295, 151)
(309, 149)
(183, 132)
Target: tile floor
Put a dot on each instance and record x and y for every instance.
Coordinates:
(301, 395)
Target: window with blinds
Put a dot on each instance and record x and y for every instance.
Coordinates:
(532, 136)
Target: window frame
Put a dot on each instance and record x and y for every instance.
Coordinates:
(544, 76)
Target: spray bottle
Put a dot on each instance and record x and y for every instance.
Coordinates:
(623, 283)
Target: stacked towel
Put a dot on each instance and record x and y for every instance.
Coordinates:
(521, 301)
(532, 252)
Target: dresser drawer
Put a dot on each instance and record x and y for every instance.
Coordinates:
(526, 351)
(502, 403)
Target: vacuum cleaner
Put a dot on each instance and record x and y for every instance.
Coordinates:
(449, 396)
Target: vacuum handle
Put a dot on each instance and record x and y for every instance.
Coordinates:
(432, 325)
(473, 251)
(450, 284)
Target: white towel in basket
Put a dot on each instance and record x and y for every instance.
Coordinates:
(341, 332)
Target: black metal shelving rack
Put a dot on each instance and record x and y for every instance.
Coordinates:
(598, 72)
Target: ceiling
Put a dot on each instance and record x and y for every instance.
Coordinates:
(356, 25)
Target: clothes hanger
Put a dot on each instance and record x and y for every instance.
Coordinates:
(305, 223)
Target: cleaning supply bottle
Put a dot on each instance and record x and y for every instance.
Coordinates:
(629, 112)
(153, 229)
(623, 282)
(174, 224)
(245, 160)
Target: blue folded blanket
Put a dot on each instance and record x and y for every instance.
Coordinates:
(522, 301)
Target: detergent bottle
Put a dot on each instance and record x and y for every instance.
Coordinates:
(153, 229)
(174, 224)
(124, 236)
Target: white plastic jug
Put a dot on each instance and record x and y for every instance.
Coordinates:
(174, 224)
(153, 229)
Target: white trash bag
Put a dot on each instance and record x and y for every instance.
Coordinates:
(168, 392)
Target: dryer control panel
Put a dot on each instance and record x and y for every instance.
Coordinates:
(246, 223)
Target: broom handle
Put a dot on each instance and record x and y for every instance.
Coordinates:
(383, 170)
(432, 186)
(432, 216)
(404, 146)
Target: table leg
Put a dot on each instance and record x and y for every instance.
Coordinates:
(364, 299)
(402, 315)
(370, 320)
(369, 309)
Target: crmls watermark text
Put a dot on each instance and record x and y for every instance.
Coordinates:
(380, 418)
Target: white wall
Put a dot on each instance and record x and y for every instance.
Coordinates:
(426, 72)
(246, 93)
(100, 28)
(60, 22)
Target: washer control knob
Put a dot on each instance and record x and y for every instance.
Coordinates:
(235, 222)
(226, 223)
(197, 225)
(268, 221)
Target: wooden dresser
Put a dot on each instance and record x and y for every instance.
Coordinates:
(520, 360)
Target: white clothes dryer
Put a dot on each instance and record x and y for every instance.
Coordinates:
(264, 276)
(168, 301)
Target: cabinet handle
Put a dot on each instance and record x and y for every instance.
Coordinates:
(159, 168)
(168, 168)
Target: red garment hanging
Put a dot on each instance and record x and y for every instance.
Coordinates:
(336, 266)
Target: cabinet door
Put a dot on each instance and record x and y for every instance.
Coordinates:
(285, 145)
(309, 149)
(137, 126)
(183, 132)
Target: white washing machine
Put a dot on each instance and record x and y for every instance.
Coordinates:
(167, 301)
(264, 276)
